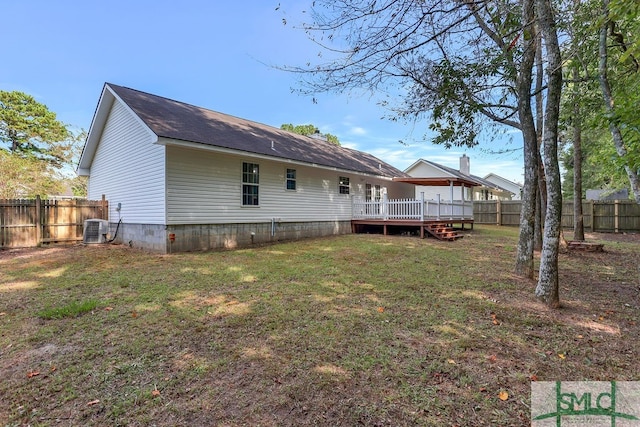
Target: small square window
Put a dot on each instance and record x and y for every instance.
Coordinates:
(291, 179)
(343, 185)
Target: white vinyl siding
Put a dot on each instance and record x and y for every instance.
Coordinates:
(128, 168)
(206, 187)
(425, 170)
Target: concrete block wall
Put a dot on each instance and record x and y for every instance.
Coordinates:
(202, 237)
(151, 237)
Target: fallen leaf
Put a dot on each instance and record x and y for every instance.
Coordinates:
(492, 358)
(53, 368)
(155, 392)
(533, 377)
(3, 314)
(380, 309)
(108, 308)
(451, 361)
(134, 314)
(483, 389)
(93, 402)
(503, 395)
(562, 356)
(494, 319)
(33, 374)
(579, 337)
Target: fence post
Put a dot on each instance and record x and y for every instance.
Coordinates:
(498, 212)
(37, 221)
(616, 215)
(103, 207)
(593, 216)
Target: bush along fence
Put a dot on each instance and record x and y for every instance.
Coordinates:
(34, 222)
(610, 216)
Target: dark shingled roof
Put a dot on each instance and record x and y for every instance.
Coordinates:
(177, 120)
(458, 174)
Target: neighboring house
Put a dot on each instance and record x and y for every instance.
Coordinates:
(180, 177)
(513, 187)
(443, 181)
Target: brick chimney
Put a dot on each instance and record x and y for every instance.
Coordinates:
(464, 165)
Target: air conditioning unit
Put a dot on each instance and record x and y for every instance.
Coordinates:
(95, 231)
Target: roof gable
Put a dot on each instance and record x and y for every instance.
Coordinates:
(176, 120)
(453, 173)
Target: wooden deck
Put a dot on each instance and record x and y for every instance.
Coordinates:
(407, 215)
(441, 229)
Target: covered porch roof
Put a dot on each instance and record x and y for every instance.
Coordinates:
(440, 182)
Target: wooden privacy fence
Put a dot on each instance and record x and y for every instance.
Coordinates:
(32, 222)
(609, 216)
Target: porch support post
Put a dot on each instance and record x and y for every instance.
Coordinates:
(385, 205)
(451, 191)
(422, 205)
(464, 214)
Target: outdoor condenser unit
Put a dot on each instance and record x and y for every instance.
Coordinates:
(95, 231)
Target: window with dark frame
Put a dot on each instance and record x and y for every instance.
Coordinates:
(291, 179)
(343, 185)
(250, 182)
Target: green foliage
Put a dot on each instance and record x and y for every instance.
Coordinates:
(37, 152)
(26, 177)
(29, 129)
(309, 130)
(603, 167)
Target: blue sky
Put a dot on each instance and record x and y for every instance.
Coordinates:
(214, 54)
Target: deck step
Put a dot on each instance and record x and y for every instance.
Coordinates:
(442, 231)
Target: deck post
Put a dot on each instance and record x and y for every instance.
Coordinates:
(422, 205)
(385, 206)
(451, 203)
(438, 201)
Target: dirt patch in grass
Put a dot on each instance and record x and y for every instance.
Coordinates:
(354, 330)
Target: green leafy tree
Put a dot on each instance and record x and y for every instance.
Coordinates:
(37, 151)
(464, 65)
(309, 130)
(26, 177)
(30, 130)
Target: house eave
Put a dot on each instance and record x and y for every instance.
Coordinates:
(439, 182)
(100, 116)
(218, 149)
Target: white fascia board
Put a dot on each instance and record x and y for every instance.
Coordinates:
(213, 148)
(446, 173)
(100, 116)
(413, 165)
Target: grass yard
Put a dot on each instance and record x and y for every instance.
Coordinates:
(352, 330)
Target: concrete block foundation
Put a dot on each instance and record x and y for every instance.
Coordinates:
(203, 237)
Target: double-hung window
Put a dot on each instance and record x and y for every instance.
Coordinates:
(343, 184)
(250, 182)
(291, 179)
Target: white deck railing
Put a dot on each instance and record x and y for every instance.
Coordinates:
(412, 209)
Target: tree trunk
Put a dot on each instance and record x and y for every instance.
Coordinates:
(524, 256)
(618, 141)
(541, 205)
(548, 288)
(578, 217)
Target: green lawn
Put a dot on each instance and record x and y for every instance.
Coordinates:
(352, 330)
